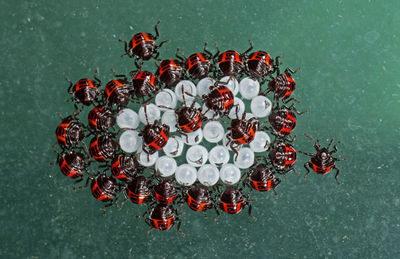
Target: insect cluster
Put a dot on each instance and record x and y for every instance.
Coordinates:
(191, 111)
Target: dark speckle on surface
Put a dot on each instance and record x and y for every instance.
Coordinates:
(349, 57)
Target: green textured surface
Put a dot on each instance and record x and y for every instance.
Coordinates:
(349, 56)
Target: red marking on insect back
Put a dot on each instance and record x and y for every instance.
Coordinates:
(232, 208)
(262, 185)
(193, 125)
(83, 84)
(62, 130)
(147, 77)
(170, 64)
(159, 141)
(95, 150)
(137, 198)
(227, 97)
(111, 86)
(321, 170)
(290, 123)
(68, 171)
(138, 39)
(261, 56)
(163, 199)
(230, 56)
(93, 116)
(195, 59)
(248, 137)
(290, 154)
(116, 170)
(195, 205)
(291, 84)
(163, 224)
(98, 193)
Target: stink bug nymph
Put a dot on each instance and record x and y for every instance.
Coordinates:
(323, 161)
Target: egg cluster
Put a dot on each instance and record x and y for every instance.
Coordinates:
(200, 137)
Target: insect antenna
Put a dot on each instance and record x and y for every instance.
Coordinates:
(330, 143)
(145, 113)
(316, 142)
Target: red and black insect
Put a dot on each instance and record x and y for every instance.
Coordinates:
(259, 64)
(104, 188)
(163, 217)
(101, 118)
(231, 63)
(138, 190)
(188, 118)
(102, 148)
(232, 201)
(169, 72)
(242, 131)
(197, 65)
(144, 84)
(73, 165)
(165, 191)
(262, 178)
(198, 198)
(85, 91)
(282, 86)
(69, 132)
(124, 168)
(220, 100)
(155, 136)
(143, 46)
(282, 157)
(283, 120)
(117, 91)
(323, 161)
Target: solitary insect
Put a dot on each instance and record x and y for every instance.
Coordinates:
(323, 161)
(143, 46)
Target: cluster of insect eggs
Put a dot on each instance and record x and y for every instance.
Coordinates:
(213, 132)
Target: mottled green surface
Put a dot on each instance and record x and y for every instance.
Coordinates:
(349, 56)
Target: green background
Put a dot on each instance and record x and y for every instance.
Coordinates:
(349, 56)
